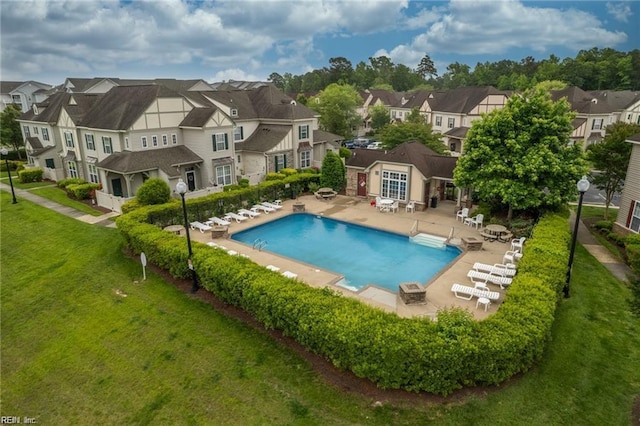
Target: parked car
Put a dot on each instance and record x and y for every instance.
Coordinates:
(361, 142)
(375, 145)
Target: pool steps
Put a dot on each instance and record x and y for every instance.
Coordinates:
(429, 240)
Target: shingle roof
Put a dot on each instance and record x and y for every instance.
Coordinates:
(264, 138)
(165, 159)
(634, 138)
(38, 149)
(121, 106)
(49, 110)
(198, 117)
(458, 132)
(462, 99)
(617, 100)
(9, 86)
(413, 152)
(324, 136)
(581, 101)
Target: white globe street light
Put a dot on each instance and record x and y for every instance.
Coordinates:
(583, 186)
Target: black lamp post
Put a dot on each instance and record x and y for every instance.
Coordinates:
(5, 152)
(181, 188)
(583, 186)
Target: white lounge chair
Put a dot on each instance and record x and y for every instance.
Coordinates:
(249, 213)
(462, 214)
(219, 222)
(273, 268)
(511, 257)
(517, 243)
(238, 218)
(199, 226)
(290, 274)
(263, 208)
(476, 276)
(475, 221)
(497, 269)
(271, 205)
(467, 293)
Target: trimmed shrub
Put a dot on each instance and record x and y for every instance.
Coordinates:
(70, 181)
(81, 191)
(153, 191)
(30, 175)
(288, 171)
(13, 165)
(632, 246)
(333, 172)
(604, 225)
(274, 176)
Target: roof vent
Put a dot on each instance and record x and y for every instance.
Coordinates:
(294, 103)
(594, 100)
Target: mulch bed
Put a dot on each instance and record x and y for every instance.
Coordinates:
(345, 381)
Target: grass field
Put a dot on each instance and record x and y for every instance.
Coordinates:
(75, 350)
(56, 194)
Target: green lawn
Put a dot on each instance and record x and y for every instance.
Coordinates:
(56, 194)
(74, 351)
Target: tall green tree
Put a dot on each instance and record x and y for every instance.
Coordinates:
(426, 67)
(414, 116)
(333, 172)
(10, 134)
(277, 80)
(520, 155)
(337, 107)
(341, 70)
(379, 117)
(611, 159)
(393, 135)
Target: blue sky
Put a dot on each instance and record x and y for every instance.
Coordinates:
(247, 40)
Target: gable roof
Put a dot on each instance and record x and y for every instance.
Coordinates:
(120, 107)
(37, 147)
(462, 99)
(264, 138)
(324, 136)
(427, 161)
(165, 159)
(458, 132)
(581, 101)
(198, 117)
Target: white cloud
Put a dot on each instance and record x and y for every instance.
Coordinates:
(235, 74)
(619, 10)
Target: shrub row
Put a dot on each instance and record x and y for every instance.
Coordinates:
(414, 354)
(632, 247)
(30, 175)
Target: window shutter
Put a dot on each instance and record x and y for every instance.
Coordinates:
(630, 215)
(226, 141)
(299, 132)
(284, 161)
(241, 133)
(213, 141)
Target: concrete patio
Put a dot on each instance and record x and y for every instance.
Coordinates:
(438, 221)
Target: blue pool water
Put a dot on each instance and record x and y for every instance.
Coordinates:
(363, 255)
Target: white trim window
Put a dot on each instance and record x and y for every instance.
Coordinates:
(68, 139)
(93, 173)
(634, 222)
(394, 185)
(45, 134)
(223, 175)
(238, 134)
(165, 140)
(126, 142)
(597, 124)
(154, 140)
(280, 162)
(451, 122)
(107, 147)
(174, 139)
(305, 159)
(35, 130)
(88, 138)
(73, 169)
(25, 129)
(303, 132)
(438, 120)
(220, 141)
(143, 141)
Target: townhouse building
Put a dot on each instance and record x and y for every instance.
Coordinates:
(23, 94)
(120, 133)
(628, 219)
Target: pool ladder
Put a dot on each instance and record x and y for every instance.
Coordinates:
(259, 244)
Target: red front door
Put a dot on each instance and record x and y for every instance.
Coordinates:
(362, 184)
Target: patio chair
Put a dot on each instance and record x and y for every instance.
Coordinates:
(290, 274)
(475, 221)
(199, 226)
(272, 205)
(219, 222)
(394, 207)
(462, 214)
(517, 243)
(264, 208)
(467, 293)
(496, 269)
(238, 218)
(476, 276)
(410, 207)
(252, 214)
(511, 257)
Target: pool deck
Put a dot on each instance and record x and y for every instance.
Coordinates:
(438, 221)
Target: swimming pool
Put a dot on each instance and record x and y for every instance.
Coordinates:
(363, 255)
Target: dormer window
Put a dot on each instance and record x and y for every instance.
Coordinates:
(234, 112)
(35, 109)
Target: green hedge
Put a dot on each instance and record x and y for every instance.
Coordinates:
(30, 175)
(414, 354)
(632, 247)
(81, 191)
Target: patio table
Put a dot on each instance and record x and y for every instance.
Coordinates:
(497, 230)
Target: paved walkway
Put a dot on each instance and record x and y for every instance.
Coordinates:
(619, 269)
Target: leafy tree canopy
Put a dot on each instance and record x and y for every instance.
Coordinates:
(521, 156)
(10, 134)
(395, 134)
(611, 159)
(379, 117)
(337, 107)
(153, 191)
(333, 172)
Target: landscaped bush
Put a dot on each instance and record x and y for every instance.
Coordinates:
(603, 225)
(632, 247)
(30, 175)
(414, 354)
(153, 191)
(274, 176)
(82, 191)
(288, 171)
(13, 165)
(70, 181)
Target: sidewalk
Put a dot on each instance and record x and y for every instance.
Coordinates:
(102, 220)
